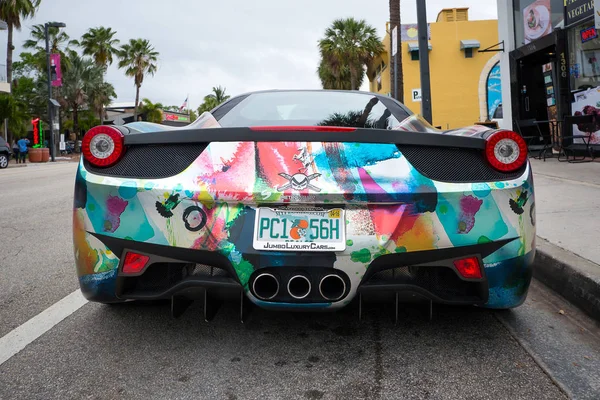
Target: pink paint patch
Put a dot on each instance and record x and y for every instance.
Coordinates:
(114, 208)
(469, 206)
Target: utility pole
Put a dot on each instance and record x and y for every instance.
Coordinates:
(50, 106)
(424, 60)
(47, 26)
(395, 55)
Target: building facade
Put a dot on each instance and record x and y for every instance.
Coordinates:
(550, 64)
(465, 83)
(4, 84)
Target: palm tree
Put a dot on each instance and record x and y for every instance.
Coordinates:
(395, 21)
(153, 111)
(100, 95)
(78, 82)
(336, 77)
(11, 12)
(138, 58)
(213, 99)
(352, 43)
(58, 39)
(100, 44)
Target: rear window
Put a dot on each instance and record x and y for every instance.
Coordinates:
(356, 110)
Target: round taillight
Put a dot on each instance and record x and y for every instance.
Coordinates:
(506, 151)
(103, 145)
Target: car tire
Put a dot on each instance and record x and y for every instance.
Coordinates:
(3, 161)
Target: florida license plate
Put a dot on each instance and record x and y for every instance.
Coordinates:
(300, 230)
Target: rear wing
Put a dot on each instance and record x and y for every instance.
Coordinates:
(304, 134)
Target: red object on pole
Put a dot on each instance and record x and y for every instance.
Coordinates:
(36, 131)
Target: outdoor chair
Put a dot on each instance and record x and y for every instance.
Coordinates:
(568, 152)
(536, 142)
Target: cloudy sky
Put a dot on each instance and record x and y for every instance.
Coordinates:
(242, 45)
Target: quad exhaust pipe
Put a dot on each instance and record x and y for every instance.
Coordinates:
(299, 287)
(266, 286)
(332, 287)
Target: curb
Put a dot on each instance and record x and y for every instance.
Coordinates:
(573, 277)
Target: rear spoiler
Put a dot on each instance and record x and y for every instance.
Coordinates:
(359, 135)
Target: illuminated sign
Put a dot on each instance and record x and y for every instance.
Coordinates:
(175, 117)
(588, 34)
(37, 132)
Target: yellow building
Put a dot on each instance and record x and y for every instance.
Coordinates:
(465, 84)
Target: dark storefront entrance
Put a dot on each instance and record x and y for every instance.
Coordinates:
(539, 84)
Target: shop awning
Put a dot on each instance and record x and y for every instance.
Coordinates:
(415, 46)
(469, 44)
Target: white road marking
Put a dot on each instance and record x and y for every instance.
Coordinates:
(17, 339)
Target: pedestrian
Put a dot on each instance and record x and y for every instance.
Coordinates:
(15, 149)
(23, 149)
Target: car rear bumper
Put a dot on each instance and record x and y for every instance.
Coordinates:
(174, 271)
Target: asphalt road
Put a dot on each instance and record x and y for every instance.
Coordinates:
(137, 351)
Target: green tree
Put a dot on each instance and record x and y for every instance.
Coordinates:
(352, 43)
(58, 39)
(78, 82)
(139, 59)
(13, 110)
(100, 44)
(152, 111)
(336, 77)
(100, 95)
(395, 21)
(11, 12)
(212, 100)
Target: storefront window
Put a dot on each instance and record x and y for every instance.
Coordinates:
(536, 18)
(494, 93)
(584, 56)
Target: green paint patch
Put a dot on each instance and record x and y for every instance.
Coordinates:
(484, 240)
(361, 256)
(462, 226)
(401, 249)
(349, 243)
(92, 207)
(444, 209)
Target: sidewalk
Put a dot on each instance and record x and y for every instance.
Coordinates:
(59, 159)
(568, 229)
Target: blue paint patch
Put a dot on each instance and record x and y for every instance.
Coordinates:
(99, 287)
(509, 281)
(178, 187)
(481, 190)
(149, 186)
(128, 190)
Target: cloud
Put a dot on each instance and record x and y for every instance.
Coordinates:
(242, 45)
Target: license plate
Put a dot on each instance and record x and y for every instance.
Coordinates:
(300, 230)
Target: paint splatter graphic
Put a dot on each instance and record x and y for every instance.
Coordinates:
(166, 208)
(114, 207)
(469, 206)
(390, 210)
(518, 204)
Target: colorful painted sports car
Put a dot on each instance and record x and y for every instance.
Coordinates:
(304, 200)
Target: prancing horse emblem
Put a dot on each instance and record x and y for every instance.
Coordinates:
(299, 182)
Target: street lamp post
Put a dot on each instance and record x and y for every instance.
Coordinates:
(48, 25)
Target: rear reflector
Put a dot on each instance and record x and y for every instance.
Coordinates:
(469, 268)
(134, 263)
(302, 129)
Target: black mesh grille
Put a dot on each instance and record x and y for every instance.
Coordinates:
(441, 281)
(152, 162)
(448, 164)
